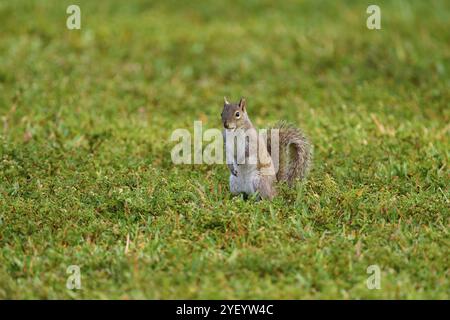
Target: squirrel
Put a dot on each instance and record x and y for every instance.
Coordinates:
(253, 172)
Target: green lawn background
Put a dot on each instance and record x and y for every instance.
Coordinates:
(86, 116)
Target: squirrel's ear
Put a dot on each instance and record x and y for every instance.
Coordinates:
(225, 100)
(242, 104)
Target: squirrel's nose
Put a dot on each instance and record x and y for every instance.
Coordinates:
(225, 124)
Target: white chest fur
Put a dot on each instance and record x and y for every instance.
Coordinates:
(244, 158)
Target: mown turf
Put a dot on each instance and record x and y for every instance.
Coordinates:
(85, 152)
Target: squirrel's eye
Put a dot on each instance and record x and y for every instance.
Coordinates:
(237, 114)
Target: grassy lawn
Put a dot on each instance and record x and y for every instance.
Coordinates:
(86, 176)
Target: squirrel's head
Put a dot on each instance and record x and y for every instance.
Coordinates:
(234, 115)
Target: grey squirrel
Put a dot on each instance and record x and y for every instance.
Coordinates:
(253, 172)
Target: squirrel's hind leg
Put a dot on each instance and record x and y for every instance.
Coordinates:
(265, 187)
(234, 185)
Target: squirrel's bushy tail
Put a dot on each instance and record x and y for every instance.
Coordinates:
(295, 152)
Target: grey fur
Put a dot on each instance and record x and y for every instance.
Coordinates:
(295, 154)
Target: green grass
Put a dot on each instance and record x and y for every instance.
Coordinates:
(86, 116)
